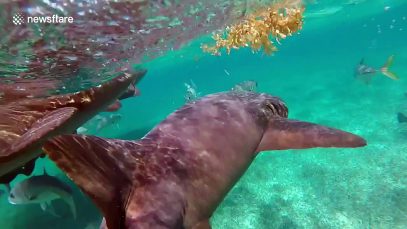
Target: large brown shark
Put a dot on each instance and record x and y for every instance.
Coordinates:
(176, 175)
(26, 123)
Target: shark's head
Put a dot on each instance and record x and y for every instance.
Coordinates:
(249, 119)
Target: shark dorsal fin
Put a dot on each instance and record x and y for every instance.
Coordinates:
(362, 61)
(102, 168)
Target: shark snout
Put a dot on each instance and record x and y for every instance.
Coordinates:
(358, 141)
(293, 134)
(345, 139)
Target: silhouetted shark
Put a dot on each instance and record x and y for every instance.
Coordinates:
(176, 175)
(26, 123)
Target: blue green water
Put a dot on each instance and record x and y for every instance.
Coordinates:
(313, 72)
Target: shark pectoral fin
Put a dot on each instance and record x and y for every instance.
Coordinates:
(43, 126)
(202, 225)
(102, 168)
(291, 134)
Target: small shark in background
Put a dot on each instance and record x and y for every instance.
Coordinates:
(249, 85)
(42, 190)
(103, 122)
(365, 73)
(401, 117)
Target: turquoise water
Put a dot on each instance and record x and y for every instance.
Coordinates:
(313, 72)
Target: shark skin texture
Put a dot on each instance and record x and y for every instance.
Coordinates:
(26, 123)
(179, 172)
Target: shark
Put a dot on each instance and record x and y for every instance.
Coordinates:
(180, 171)
(26, 123)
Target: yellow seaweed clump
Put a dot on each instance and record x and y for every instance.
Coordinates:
(254, 31)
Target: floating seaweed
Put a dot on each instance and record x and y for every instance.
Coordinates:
(279, 20)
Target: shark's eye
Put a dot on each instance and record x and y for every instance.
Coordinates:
(11, 195)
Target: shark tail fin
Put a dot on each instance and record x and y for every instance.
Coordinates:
(401, 118)
(385, 69)
(102, 168)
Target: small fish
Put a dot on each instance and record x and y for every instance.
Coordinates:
(249, 85)
(42, 190)
(365, 72)
(191, 94)
(401, 117)
(104, 122)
